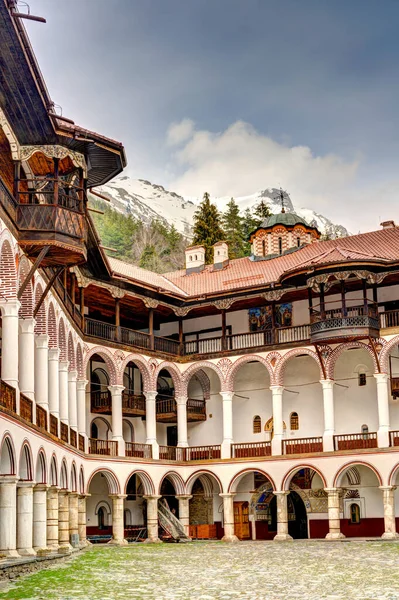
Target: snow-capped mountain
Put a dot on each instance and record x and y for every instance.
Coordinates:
(147, 201)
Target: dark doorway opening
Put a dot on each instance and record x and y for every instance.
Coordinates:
(171, 435)
(297, 517)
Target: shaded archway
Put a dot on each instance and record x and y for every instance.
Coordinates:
(7, 456)
(101, 485)
(41, 467)
(171, 486)
(205, 505)
(138, 485)
(25, 470)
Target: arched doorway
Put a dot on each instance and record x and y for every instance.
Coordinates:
(307, 503)
(205, 507)
(297, 517)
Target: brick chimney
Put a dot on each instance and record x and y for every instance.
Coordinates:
(388, 224)
(195, 259)
(220, 255)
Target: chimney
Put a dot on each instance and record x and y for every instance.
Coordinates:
(195, 259)
(388, 224)
(220, 256)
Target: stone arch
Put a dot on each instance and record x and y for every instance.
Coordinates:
(285, 484)
(176, 480)
(197, 369)
(336, 353)
(81, 481)
(341, 471)
(243, 360)
(238, 476)
(173, 372)
(7, 456)
(112, 480)
(109, 360)
(106, 508)
(141, 365)
(52, 327)
(64, 475)
(280, 367)
(103, 420)
(62, 340)
(353, 475)
(79, 361)
(53, 471)
(41, 467)
(8, 270)
(71, 353)
(41, 317)
(25, 466)
(146, 481)
(207, 478)
(26, 310)
(74, 478)
(385, 352)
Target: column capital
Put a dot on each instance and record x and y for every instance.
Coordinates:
(118, 496)
(327, 384)
(81, 384)
(116, 389)
(387, 488)
(229, 495)
(381, 377)
(183, 497)
(41, 487)
(277, 388)
(181, 400)
(336, 490)
(26, 484)
(54, 488)
(74, 494)
(150, 395)
(27, 325)
(72, 375)
(83, 496)
(10, 308)
(53, 353)
(63, 365)
(152, 497)
(227, 396)
(63, 492)
(281, 492)
(42, 340)
(9, 479)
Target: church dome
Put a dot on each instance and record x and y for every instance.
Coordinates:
(283, 218)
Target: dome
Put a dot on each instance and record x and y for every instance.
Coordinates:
(283, 218)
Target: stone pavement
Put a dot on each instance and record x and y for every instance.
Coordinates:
(215, 571)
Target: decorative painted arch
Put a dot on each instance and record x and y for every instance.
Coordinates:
(7, 456)
(206, 477)
(26, 310)
(176, 480)
(41, 467)
(53, 471)
(336, 353)
(146, 481)
(385, 352)
(141, 365)
(281, 366)
(243, 360)
(62, 340)
(109, 360)
(71, 352)
(64, 475)
(174, 373)
(41, 315)
(8, 270)
(204, 382)
(79, 361)
(341, 471)
(112, 480)
(285, 484)
(74, 478)
(198, 370)
(25, 465)
(238, 476)
(52, 327)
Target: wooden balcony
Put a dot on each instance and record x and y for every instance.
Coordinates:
(73, 438)
(100, 402)
(389, 319)
(41, 417)
(355, 441)
(251, 450)
(81, 442)
(133, 405)
(395, 387)
(394, 438)
(337, 324)
(64, 432)
(134, 450)
(8, 398)
(202, 452)
(303, 445)
(166, 409)
(53, 425)
(26, 408)
(196, 410)
(103, 447)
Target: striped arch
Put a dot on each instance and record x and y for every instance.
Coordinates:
(204, 382)
(74, 478)
(336, 353)
(112, 480)
(62, 341)
(53, 471)
(238, 476)
(385, 352)
(64, 475)
(8, 270)
(71, 353)
(25, 465)
(109, 360)
(243, 360)
(41, 316)
(206, 477)
(26, 310)
(79, 361)
(142, 366)
(41, 467)
(146, 481)
(173, 372)
(280, 367)
(344, 468)
(197, 369)
(285, 485)
(8, 463)
(176, 480)
(52, 327)
(353, 476)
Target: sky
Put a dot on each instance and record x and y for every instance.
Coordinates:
(234, 96)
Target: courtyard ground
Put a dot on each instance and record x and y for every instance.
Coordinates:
(216, 571)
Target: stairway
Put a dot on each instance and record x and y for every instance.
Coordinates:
(170, 523)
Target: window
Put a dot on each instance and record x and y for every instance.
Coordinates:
(294, 421)
(195, 257)
(365, 431)
(362, 379)
(280, 245)
(354, 513)
(191, 258)
(298, 241)
(257, 424)
(263, 248)
(101, 518)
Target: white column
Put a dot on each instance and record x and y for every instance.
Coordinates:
(118, 531)
(228, 518)
(277, 402)
(25, 518)
(227, 398)
(329, 421)
(151, 422)
(53, 382)
(41, 371)
(8, 512)
(72, 401)
(26, 359)
(389, 512)
(184, 512)
(52, 517)
(182, 438)
(63, 382)
(383, 409)
(334, 516)
(40, 517)
(81, 402)
(9, 334)
(152, 519)
(282, 517)
(117, 426)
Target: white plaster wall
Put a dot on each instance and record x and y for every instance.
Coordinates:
(252, 397)
(207, 432)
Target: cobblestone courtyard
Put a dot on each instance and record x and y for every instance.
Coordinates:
(208, 571)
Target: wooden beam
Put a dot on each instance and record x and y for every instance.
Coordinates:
(151, 327)
(99, 195)
(46, 291)
(34, 268)
(323, 368)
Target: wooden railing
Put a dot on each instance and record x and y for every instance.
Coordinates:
(133, 403)
(389, 318)
(165, 404)
(196, 407)
(81, 442)
(98, 329)
(169, 452)
(104, 447)
(134, 450)
(41, 417)
(138, 339)
(100, 401)
(162, 344)
(202, 452)
(394, 438)
(303, 445)
(54, 425)
(8, 396)
(241, 341)
(64, 432)
(355, 441)
(73, 438)
(7, 200)
(251, 449)
(26, 408)
(205, 346)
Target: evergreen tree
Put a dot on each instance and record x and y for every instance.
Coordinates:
(262, 211)
(207, 228)
(148, 258)
(233, 227)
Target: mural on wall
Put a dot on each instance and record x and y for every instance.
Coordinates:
(261, 318)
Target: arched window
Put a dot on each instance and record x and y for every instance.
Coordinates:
(195, 257)
(101, 518)
(280, 245)
(94, 431)
(365, 431)
(355, 513)
(191, 258)
(263, 248)
(362, 379)
(257, 424)
(298, 241)
(294, 421)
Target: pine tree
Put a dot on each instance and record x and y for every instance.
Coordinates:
(207, 228)
(148, 258)
(233, 227)
(262, 211)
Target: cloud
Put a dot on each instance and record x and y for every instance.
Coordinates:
(180, 132)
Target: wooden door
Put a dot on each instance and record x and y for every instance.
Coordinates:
(241, 520)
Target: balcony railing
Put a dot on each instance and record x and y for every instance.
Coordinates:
(251, 450)
(166, 408)
(26, 408)
(202, 452)
(355, 441)
(101, 401)
(54, 425)
(134, 450)
(41, 417)
(103, 447)
(196, 410)
(73, 438)
(64, 432)
(133, 404)
(8, 397)
(81, 441)
(303, 445)
(339, 321)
